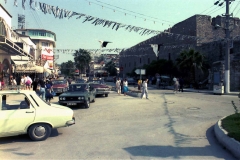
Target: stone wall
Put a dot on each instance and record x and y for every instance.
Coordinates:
(198, 32)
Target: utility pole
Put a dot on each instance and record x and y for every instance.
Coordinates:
(227, 56)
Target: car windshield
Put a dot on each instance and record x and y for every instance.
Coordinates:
(58, 82)
(77, 88)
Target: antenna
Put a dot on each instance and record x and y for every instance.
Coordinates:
(21, 21)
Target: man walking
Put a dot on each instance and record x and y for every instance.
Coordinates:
(118, 86)
(144, 89)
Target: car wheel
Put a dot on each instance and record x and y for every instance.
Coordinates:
(106, 95)
(87, 103)
(39, 132)
(93, 99)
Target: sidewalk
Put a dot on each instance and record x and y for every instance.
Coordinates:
(191, 90)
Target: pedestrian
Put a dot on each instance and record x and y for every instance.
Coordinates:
(42, 92)
(48, 95)
(2, 84)
(144, 89)
(118, 86)
(157, 82)
(125, 86)
(175, 85)
(121, 86)
(35, 83)
(139, 84)
(181, 82)
(28, 83)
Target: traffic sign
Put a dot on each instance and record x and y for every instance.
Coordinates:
(140, 71)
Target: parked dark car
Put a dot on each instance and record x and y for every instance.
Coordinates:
(78, 93)
(101, 89)
(80, 81)
(131, 81)
(59, 86)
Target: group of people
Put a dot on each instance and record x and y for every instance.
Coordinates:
(122, 87)
(177, 84)
(43, 87)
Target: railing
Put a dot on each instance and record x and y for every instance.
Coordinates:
(11, 44)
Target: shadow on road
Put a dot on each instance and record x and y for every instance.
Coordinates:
(213, 150)
(24, 138)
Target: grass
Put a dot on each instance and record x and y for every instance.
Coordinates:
(232, 125)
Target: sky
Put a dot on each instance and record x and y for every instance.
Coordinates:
(71, 33)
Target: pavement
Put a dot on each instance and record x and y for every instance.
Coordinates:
(222, 135)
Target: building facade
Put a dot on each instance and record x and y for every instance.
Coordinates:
(14, 51)
(45, 42)
(200, 32)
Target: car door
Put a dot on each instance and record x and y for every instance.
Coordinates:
(15, 114)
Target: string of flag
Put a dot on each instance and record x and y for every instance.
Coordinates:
(63, 13)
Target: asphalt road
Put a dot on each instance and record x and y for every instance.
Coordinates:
(167, 126)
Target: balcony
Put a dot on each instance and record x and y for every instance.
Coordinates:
(11, 48)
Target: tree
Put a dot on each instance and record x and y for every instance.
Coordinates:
(188, 61)
(111, 68)
(82, 59)
(67, 68)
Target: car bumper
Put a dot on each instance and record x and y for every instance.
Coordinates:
(71, 122)
(66, 102)
(102, 92)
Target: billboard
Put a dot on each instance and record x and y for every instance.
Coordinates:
(47, 53)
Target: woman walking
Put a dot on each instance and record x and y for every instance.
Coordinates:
(125, 86)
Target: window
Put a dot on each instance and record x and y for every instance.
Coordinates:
(134, 64)
(45, 44)
(140, 60)
(13, 102)
(129, 64)
(125, 65)
(2, 29)
(23, 33)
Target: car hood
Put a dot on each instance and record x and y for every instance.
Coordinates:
(59, 106)
(73, 94)
(100, 86)
(59, 85)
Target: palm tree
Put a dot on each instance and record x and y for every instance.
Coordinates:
(111, 68)
(67, 68)
(188, 61)
(82, 59)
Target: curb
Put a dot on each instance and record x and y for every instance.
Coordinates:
(229, 143)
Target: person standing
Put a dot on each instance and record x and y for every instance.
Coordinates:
(42, 92)
(125, 86)
(118, 86)
(144, 89)
(139, 84)
(181, 84)
(176, 85)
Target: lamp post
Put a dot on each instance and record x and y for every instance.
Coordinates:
(227, 52)
(227, 59)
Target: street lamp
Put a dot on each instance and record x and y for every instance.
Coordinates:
(227, 56)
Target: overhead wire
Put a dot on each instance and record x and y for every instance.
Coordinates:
(162, 21)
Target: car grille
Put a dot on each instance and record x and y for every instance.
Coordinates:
(72, 99)
(57, 89)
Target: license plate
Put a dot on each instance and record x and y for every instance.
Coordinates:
(71, 104)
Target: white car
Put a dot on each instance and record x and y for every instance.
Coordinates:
(24, 112)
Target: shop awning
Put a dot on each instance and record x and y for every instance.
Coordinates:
(32, 69)
(19, 60)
